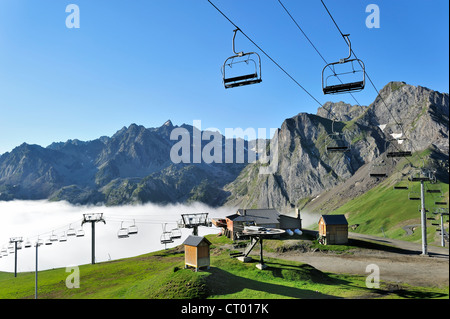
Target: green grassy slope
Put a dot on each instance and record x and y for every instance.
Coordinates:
(385, 209)
(160, 275)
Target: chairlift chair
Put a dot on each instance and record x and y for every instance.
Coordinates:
(80, 232)
(335, 142)
(48, 242)
(331, 82)
(397, 151)
(11, 248)
(414, 196)
(53, 237)
(123, 232)
(401, 185)
(133, 229)
(175, 233)
(241, 69)
(27, 244)
(71, 231)
(378, 170)
(166, 238)
(63, 238)
(435, 189)
(421, 174)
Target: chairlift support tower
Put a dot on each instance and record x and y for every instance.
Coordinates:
(15, 240)
(38, 243)
(93, 219)
(442, 212)
(423, 214)
(194, 221)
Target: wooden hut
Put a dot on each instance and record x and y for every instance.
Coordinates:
(196, 252)
(333, 229)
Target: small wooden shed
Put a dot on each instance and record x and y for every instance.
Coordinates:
(333, 229)
(196, 252)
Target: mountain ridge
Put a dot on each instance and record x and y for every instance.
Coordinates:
(134, 164)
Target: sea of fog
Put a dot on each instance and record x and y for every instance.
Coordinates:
(29, 219)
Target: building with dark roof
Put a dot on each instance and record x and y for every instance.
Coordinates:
(196, 252)
(333, 229)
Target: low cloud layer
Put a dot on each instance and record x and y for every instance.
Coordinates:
(28, 219)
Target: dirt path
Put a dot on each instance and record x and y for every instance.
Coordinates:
(400, 262)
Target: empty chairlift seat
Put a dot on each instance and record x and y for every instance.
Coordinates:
(122, 232)
(335, 142)
(71, 231)
(166, 238)
(241, 69)
(133, 229)
(80, 232)
(378, 170)
(346, 75)
(175, 233)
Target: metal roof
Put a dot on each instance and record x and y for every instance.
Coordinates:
(334, 220)
(259, 216)
(195, 240)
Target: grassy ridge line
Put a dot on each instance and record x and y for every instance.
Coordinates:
(160, 275)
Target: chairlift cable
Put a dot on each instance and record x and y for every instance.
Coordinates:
(266, 54)
(368, 77)
(315, 48)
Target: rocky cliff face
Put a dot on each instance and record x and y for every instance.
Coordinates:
(306, 169)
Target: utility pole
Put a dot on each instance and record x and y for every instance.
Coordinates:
(93, 219)
(15, 241)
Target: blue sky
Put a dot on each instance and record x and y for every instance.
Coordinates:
(147, 61)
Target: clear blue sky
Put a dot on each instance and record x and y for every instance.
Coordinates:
(147, 61)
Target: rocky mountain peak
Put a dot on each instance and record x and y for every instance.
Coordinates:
(168, 123)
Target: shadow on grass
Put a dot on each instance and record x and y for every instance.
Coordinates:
(396, 290)
(388, 248)
(222, 282)
(381, 247)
